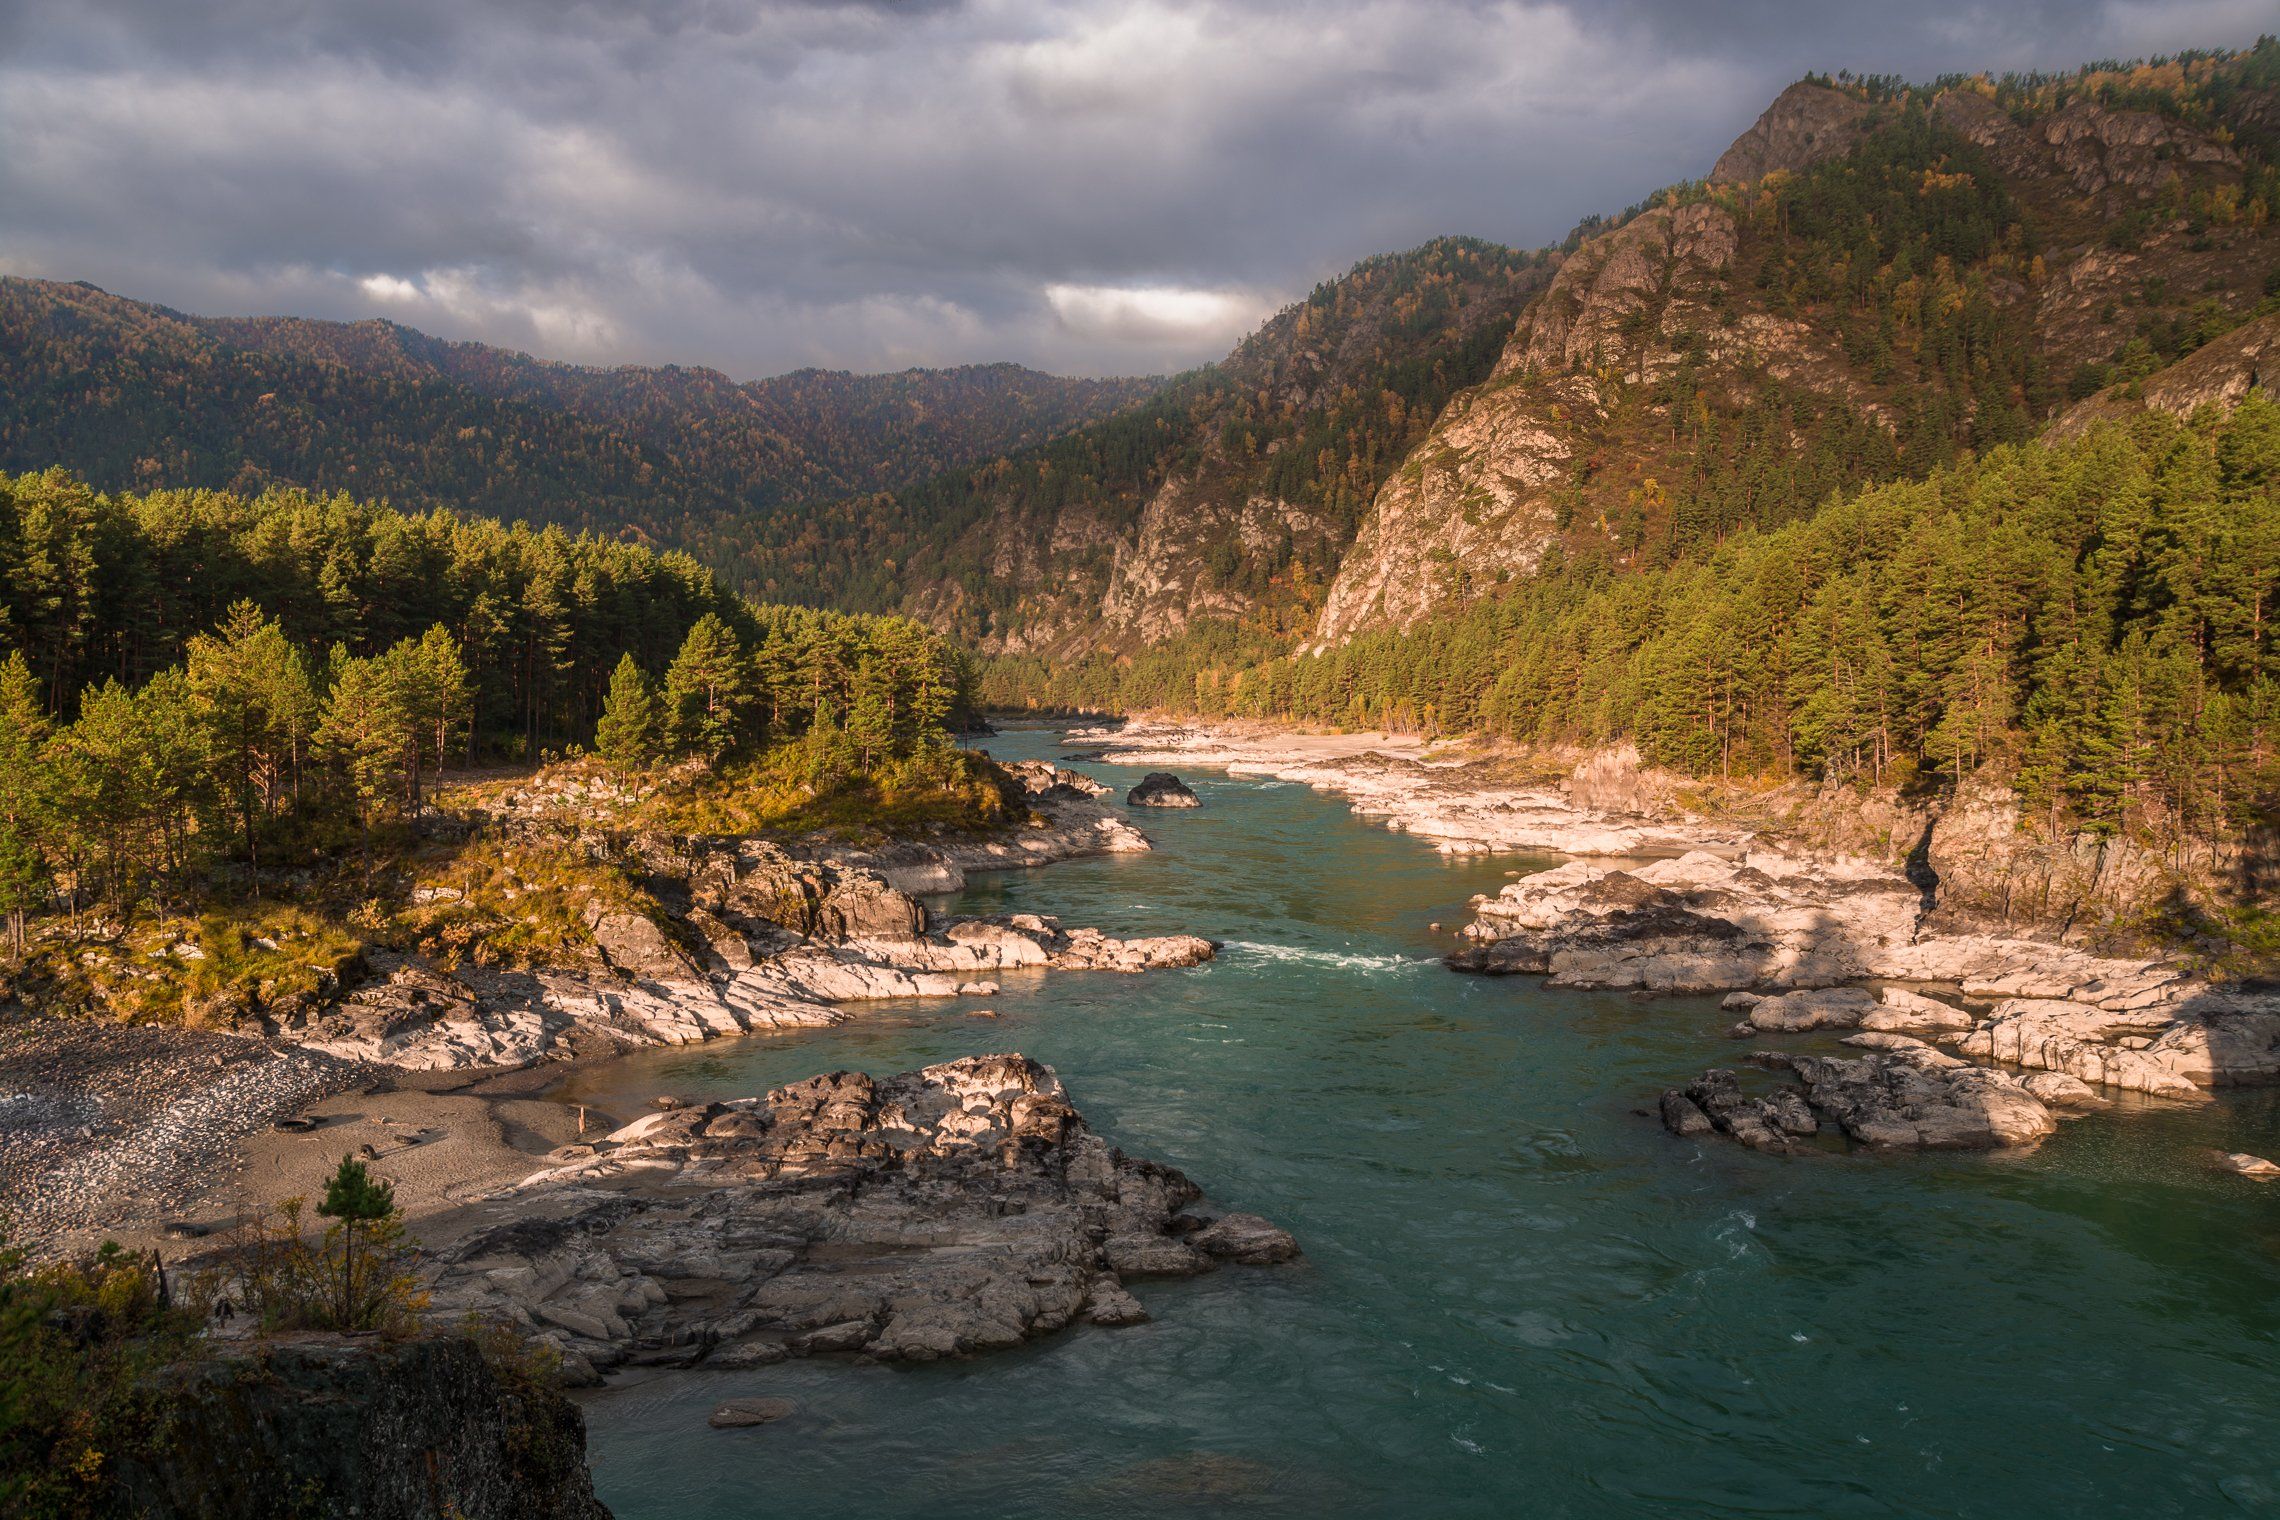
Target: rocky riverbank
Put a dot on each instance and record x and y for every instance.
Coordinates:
(1803, 945)
(962, 1208)
(1973, 1032)
(1458, 799)
(113, 1128)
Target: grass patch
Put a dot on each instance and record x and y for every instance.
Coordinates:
(492, 902)
(951, 791)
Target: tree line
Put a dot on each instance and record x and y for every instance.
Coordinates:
(2093, 621)
(193, 678)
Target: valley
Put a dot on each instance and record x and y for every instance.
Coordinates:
(1634, 877)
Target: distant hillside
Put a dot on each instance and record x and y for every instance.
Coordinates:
(1229, 497)
(134, 395)
(1875, 279)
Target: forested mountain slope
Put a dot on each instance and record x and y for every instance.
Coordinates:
(2091, 623)
(133, 395)
(1230, 495)
(1875, 278)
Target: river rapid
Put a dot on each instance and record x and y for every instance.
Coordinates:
(1520, 1297)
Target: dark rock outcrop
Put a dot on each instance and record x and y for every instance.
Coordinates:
(1902, 1095)
(411, 1431)
(1161, 789)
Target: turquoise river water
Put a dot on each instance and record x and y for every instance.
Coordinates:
(1520, 1297)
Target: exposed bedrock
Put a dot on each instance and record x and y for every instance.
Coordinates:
(1793, 940)
(322, 1426)
(958, 1209)
(751, 936)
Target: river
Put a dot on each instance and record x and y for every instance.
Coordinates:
(1520, 1297)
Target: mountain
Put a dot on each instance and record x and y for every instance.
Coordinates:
(1873, 279)
(130, 395)
(1229, 496)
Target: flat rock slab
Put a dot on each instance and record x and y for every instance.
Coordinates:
(2242, 1164)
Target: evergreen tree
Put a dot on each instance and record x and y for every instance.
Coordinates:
(362, 1204)
(362, 733)
(871, 717)
(627, 734)
(253, 694)
(708, 691)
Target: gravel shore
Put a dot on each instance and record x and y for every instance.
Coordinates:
(106, 1124)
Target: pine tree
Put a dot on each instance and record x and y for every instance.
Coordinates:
(708, 691)
(871, 717)
(253, 695)
(362, 734)
(361, 1204)
(24, 882)
(627, 735)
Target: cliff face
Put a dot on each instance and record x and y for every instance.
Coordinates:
(1478, 502)
(1690, 312)
(2220, 373)
(1806, 123)
(1238, 491)
(412, 1431)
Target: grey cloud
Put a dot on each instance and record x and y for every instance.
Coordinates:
(764, 184)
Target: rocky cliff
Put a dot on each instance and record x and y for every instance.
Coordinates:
(412, 1431)
(1649, 397)
(2220, 373)
(1233, 495)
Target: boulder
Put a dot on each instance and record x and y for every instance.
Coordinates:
(1106, 1303)
(2055, 1089)
(1161, 789)
(1245, 1238)
(2242, 1164)
(1921, 1100)
(1717, 1095)
(1899, 1009)
(860, 905)
(635, 945)
(1682, 1117)
(738, 1413)
(1819, 1008)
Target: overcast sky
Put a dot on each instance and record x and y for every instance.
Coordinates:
(1089, 186)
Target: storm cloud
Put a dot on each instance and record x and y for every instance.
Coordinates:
(1094, 186)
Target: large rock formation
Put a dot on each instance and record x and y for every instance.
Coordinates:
(2219, 373)
(958, 1209)
(1699, 923)
(409, 1431)
(746, 934)
(1805, 124)
(1792, 939)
